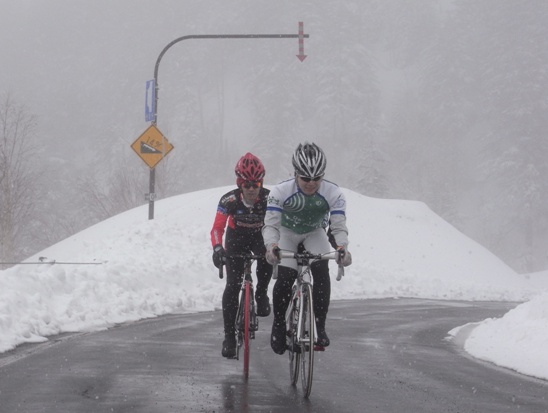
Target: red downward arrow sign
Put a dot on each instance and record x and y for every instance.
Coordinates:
(301, 54)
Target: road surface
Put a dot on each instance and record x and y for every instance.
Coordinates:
(387, 355)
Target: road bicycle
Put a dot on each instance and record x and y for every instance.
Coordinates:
(246, 317)
(300, 320)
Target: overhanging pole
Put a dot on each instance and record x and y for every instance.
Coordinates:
(154, 121)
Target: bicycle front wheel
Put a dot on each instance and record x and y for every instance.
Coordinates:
(247, 321)
(308, 325)
(294, 350)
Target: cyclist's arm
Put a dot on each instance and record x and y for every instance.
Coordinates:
(271, 228)
(337, 213)
(337, 207)
(218, 229)
(273, 216)
(225, 210)
(338, 228)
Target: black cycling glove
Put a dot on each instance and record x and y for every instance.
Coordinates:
(219, 255)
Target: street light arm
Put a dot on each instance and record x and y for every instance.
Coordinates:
(211, 36)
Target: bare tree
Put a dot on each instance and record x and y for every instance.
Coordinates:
(17, 175)
(116, 187)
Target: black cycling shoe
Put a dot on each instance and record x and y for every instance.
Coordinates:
(263, 305)
(229, 347)
(322, 340)
(278, 338)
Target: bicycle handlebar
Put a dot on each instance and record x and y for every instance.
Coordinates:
(244, 256)
(333, 255)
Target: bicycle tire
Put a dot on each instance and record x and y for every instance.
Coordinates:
(294, 356)
(308, 327)
(239, 325)
(247, 321)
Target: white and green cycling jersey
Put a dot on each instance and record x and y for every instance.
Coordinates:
(289, 207)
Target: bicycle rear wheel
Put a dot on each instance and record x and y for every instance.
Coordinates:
(307, 344)
(294, 349)
(247, 321)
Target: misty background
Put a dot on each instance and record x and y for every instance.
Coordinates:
(444, 102)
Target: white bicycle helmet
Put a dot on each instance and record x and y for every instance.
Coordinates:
(309, 160)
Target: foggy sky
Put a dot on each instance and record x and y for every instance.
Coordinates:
(362, 93)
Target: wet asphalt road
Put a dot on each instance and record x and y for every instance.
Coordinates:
(386, 356)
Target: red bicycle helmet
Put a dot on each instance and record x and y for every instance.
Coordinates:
(249, 168)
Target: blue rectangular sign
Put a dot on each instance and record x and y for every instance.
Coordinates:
(150, 100)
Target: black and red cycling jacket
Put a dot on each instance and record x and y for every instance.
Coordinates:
(233, 212)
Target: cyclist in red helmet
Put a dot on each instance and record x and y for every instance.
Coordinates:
(241, 211)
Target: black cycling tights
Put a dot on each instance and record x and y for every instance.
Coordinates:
(234, 278)
(321, 291)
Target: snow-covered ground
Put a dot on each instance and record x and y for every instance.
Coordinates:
(129, 267)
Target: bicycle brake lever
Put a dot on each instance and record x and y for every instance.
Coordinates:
(340, 272)
(221, 271)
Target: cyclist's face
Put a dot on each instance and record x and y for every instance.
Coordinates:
(250, 191)
(310, 187)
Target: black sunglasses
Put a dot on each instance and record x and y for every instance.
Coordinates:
(251, 184)
(307, 179)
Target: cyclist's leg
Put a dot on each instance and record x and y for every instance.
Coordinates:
(234, 275)
(264, 274)
(322, 288)
(231, 293)
(317, 242)
(281, 297)
(230, 308)
(321, 294)
(281, 294)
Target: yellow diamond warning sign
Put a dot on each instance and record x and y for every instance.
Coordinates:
(152, 146)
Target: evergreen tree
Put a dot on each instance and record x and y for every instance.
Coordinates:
(493, 79)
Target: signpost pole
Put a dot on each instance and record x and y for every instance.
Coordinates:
(301, 56)
(151, 184)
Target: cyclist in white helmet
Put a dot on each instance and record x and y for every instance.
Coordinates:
(298, 212)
